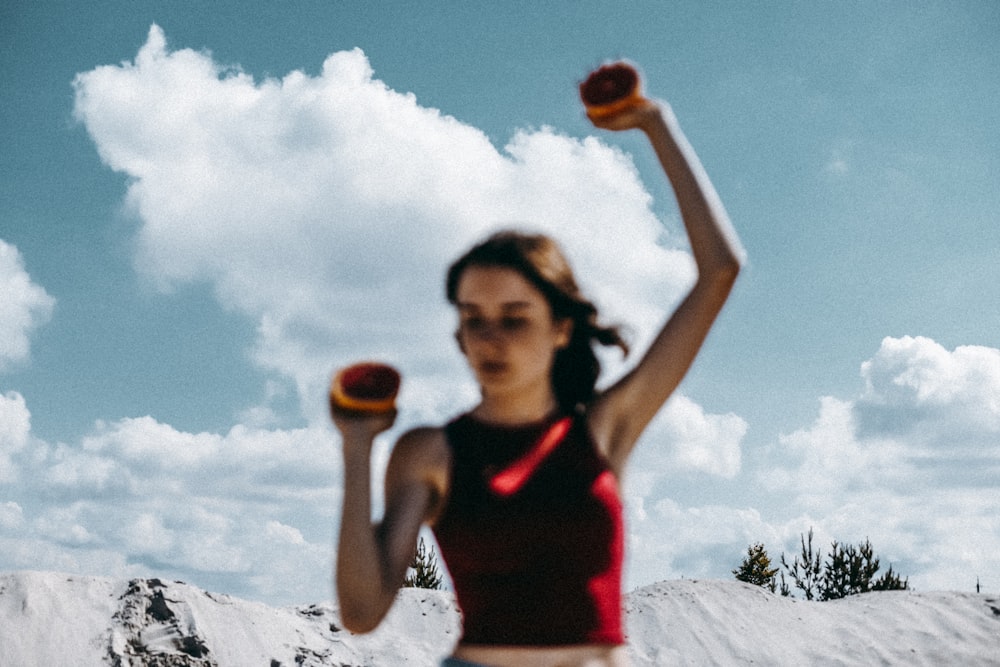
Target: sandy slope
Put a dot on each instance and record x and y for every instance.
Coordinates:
(729, 623)
(55, 619)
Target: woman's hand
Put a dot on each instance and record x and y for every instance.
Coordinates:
(361, 427)
(612, 96)
(637, 116)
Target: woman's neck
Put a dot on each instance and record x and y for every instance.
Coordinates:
(516, 409)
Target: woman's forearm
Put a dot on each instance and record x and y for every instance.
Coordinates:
(714, 242)
(360, 578)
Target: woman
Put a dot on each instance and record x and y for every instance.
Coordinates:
(523, 491)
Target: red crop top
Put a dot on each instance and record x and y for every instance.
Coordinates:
(537, 564)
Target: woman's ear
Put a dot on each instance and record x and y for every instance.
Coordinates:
(564, 333)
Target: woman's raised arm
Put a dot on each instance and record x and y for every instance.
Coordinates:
(624, 410)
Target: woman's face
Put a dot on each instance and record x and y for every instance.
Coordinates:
(506, 330)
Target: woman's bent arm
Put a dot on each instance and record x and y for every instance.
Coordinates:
(372, 558)
(626, 408)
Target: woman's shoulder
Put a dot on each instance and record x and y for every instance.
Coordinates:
(422, 447)
(422, 438)
(421, 456)
(607, 426)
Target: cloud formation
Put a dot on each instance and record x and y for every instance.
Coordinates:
(24, 307)
(139, 496)
(327, 207)
(912, 462)
(948, 401)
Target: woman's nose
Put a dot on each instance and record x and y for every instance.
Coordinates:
(489, 332)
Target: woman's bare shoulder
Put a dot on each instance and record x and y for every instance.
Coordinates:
(422, 450)
(423, 440)
(421, 457)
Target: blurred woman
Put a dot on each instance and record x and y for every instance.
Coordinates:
(523, 491)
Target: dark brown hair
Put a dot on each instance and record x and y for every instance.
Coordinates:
(541, 262)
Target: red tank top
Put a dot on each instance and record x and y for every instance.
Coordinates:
(538, 563)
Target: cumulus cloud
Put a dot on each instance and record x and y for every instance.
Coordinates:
(912, 462)
(15, 429)
(137, 496)
(11, 515)
(253, 511)
(702, 540)
(682, 443)
(699, 441)
(671, 532)
(949, 400)
(23, 307)
(327, 207)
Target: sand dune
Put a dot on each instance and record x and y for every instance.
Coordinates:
(51, 619)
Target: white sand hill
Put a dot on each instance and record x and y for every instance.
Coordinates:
(51, 619)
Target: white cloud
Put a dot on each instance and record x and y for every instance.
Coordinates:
(670, 534)
(146, 535)
(683, 441)
(24, 306)
(15, 422)
(11, 515)
(679, 540)
(328, 207)
(949, 400)
(15, 429)
(699, 441)
(826, 458)
(912, 463)
(137, 496)
(82, 472)
(282, 533)
(253, 511)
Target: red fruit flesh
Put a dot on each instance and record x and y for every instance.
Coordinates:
(609, 84)
(370, 382)
(365, 388)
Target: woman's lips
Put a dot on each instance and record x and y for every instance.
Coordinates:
(492, 367)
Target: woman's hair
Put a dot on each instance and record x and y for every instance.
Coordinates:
(541, 262)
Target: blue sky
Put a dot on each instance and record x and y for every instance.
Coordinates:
(203, 211)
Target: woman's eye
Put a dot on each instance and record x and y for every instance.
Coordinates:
(513, 323)
(473, 324)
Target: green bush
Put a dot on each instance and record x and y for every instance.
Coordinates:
(806, 570)
(756, 568)
(847, 570)
(424, 568)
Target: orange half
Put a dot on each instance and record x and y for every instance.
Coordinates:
(369, 387)
(611, 89)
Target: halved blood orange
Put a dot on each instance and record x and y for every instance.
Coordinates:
(367, 387)
(610, 89)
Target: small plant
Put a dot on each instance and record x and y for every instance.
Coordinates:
(424, 568)
(756, 568)
(805, 570)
